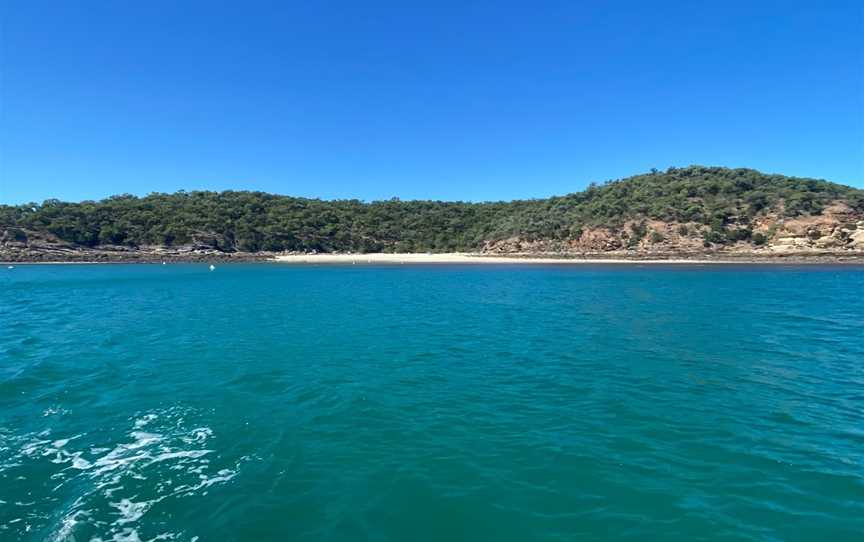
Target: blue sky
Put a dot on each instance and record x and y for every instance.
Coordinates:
(440, 100)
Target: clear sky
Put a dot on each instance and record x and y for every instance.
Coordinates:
(440, 100)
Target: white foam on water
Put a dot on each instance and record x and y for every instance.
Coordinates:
(68, 523)
(81, 464)
(60, 443)
(144, 420)
(165, 461)
(33, 447)
(205, 481)
(194, 454)
(52, 410)
(142, 439)
(126, 535)
(130, 511)
(198, 435)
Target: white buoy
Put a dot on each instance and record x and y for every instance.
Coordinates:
(212, 267)
(163, 263)
(11, 267)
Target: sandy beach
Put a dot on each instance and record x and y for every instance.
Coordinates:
(471, 258)
(144, 257)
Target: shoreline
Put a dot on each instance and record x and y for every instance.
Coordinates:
(483, 259)
(465, 258)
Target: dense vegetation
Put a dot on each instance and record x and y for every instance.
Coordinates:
(724, 200)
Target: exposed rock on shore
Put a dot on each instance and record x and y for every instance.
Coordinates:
(35, 247)
(838, 230)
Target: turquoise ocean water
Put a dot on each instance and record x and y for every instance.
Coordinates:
(439, 403)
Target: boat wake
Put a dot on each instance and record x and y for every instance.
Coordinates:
(102, 492)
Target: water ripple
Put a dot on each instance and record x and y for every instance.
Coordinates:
(442, 403)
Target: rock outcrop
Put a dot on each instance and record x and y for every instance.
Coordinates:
(838, 229)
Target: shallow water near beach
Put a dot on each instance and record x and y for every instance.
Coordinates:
(431, 403)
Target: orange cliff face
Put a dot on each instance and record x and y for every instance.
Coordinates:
(838, 229)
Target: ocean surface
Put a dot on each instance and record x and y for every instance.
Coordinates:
(431, 403)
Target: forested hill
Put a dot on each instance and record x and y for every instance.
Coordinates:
(714, 206)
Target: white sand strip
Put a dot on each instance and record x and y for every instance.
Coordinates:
(457, 257)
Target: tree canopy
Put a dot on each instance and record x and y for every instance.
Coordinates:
(255, 221)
